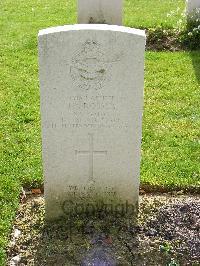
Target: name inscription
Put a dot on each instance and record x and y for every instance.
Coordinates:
(91, 112)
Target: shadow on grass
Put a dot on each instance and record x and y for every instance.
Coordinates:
(195, 56)
(192, 40)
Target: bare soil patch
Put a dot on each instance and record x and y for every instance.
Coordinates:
(165, 233)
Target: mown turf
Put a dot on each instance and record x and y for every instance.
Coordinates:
(171, 136)
(171, 118)
(153, 13)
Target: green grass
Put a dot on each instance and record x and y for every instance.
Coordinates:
(171, 117)
(171, 136)
(21, 14)
(153, 13)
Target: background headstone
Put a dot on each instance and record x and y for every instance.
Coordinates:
(91, 79)
(192, 5)
(100, 12)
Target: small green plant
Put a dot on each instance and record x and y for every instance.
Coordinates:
(173, 262)
(165, 247)
(191, 36)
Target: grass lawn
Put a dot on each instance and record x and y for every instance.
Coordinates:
(171, 119)
(171, 136)
(153, 13)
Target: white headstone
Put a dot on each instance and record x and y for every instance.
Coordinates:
(91, 80)
(192, 5)
(100, 12)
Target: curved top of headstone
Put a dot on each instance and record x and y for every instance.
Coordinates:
(98, 27)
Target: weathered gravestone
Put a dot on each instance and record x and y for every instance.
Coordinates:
(91, 79)
(100, 12)
(192, 6)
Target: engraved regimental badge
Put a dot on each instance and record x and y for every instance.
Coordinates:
(90, 67)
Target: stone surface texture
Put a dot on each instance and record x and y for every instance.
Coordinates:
(100, 12)
(91, 80)
(192, 5)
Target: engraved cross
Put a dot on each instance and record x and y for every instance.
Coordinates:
(91, 152)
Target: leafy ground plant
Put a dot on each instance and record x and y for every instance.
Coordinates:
(191, 36)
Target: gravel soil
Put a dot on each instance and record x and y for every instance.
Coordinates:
(165, 233)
